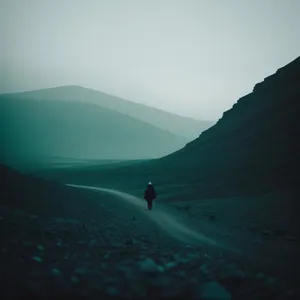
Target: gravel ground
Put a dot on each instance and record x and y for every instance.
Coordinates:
(116, 250)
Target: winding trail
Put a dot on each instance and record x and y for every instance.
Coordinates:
(168, 220)
(270, 256)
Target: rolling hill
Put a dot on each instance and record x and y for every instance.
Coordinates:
(186, 127)
(32, 129)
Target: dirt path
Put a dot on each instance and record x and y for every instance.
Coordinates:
(276, 257)
(99, 243)
(161, 215)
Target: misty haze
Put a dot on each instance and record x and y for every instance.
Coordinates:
(149, 149)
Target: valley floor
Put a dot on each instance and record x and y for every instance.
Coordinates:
(118, 249)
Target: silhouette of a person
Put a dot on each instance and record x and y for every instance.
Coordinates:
(150, 195)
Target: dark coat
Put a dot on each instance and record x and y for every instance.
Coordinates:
(150, 193)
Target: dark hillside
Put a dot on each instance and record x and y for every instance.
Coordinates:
(255, 144)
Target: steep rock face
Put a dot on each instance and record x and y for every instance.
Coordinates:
(255, 143)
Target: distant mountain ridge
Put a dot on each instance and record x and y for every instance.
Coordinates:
(179, 125)
(33, 129)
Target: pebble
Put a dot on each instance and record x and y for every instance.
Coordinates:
(56, 272)
(149, 266)
(112, 291)
(160, 281)
(106, 256)
(93, 242)
(204, 269)
(40, 247)
(213, 290)
(59, 243)
(185, 260)
(37, 259)
(176, 257)
(81, 271)
(171, 265)
(270, 281)
(267, 232)
(181, 274)
(110, 280)
(260, 242)
(192, 255)
(74, 279)
(212, 217)
(291, 238)
(230, 273)
(129, 242)
(260, 276)
(240, 274)
(19, 212)
(127, 271)
(160, 269)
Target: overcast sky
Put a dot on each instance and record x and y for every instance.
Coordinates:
(191, 57)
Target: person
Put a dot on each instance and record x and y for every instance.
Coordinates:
(150, 195)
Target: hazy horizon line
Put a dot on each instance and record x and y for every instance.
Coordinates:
(111, 95)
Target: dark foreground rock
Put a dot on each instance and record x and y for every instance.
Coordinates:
(60, 242)
(48, 257)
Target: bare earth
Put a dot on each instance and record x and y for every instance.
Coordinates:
(214, 249)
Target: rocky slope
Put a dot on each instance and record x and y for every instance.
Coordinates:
(254, 146)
